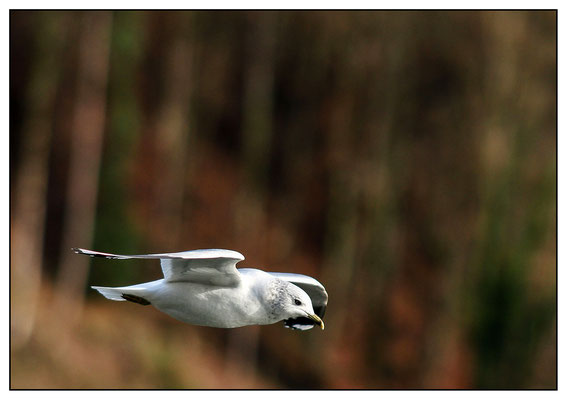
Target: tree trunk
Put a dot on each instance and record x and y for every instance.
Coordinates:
(30, 183)
(86, 149)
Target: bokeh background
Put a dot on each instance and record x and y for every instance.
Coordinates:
(407, 160)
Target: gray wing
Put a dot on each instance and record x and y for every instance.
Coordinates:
(314, 289)
(211, 266)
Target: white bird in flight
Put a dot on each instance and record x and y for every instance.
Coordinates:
(204, 287)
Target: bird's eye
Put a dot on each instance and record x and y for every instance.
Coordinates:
(297, 302)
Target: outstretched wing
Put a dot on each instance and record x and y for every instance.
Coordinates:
(316, 292)
(211, 266)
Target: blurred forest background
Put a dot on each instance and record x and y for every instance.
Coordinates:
(407, 160)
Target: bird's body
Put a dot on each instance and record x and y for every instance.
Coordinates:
(203, 287)
(198, 304)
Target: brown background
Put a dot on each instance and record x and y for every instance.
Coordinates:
(407, 160)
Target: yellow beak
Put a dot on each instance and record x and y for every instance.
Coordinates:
(318, 320)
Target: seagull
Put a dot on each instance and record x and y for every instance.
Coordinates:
(204, 287)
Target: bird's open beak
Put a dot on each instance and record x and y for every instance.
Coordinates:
(318, 320)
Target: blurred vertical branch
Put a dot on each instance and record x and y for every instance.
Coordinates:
(29, 192)
(84, 168)
(251, 202)
(116, 201)
(173, 127)
(259, 58)
(163, 163)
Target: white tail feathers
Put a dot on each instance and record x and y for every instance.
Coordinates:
(110, 293)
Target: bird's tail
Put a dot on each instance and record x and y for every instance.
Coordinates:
(136, 293)
(110, 293)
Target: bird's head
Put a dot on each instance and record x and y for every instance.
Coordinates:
(293, 302)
